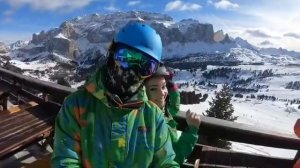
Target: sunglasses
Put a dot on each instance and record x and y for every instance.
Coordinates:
(129, 58)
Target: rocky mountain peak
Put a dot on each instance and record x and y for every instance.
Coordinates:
(244, 43)
(18, 44)
(85, 39)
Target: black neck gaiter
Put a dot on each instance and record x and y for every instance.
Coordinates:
(124, 83)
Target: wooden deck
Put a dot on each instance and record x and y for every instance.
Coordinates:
(23, 125)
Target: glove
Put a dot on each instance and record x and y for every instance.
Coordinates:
(171, 86)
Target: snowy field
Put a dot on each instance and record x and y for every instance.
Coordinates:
(276, 116)
(266, 115)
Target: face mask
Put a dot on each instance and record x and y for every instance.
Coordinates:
(123, 82)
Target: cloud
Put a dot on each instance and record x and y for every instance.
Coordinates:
(178, 5)
(7, 16)
(133, 3)
(8, 12)
(266, 42)
(111, 8)
(258, 33)
(50, 5)
(42, 5)
(224, 4)
(294, 35)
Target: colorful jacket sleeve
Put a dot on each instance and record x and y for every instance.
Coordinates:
(185, 144)
(164, 153)
(67, 139)
(174, 99)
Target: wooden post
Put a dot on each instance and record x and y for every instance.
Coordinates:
(197, 163)
(297, 157)
(3, 100)
(46, 97)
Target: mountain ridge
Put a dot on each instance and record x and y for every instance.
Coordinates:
(84, 40)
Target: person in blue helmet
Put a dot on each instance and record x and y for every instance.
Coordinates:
(110, 122)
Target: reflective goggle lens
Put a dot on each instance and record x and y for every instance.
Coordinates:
(129, 58)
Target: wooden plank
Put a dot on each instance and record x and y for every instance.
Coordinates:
(20, 107)
(20, 127)
(218, 166)
(4, 117)
(26, 127)
(11, 139)
(187, 165)
(203, 165)
(12, 115)
(239, 159)
(22, 118)
(218, 156)
(239, 132)
(33, 136)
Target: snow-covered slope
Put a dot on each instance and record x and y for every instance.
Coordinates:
(18, 44)
(275, 115)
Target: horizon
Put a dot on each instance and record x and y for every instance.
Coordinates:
(262, 23)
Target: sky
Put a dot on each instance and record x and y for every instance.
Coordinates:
(264, 23)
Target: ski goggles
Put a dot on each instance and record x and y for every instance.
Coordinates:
(130, 58)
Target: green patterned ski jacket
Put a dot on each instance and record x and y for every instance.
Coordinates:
(90, 132)
(183, 145)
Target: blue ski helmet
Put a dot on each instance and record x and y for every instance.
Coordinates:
(141, 37)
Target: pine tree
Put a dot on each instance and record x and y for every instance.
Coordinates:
(221, 108)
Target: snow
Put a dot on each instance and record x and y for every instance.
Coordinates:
(18, 44)
(84, 44)
(279, 51)
(176, 49)
(276, 116)
(31, 45)
(262, 115)
(277, 89)
(61, 58)
(245, 55)
(60, 35)
(45, 77)
(34, 65)
(262, 150)
(169, 24)
(78, 84)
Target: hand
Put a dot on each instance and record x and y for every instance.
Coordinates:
(193, 119)
(171, 85)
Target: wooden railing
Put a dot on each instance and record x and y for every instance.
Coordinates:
(43, 86)
(238, 132)
(210, 157)
(242, 132)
